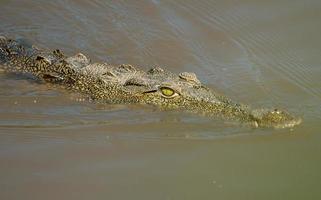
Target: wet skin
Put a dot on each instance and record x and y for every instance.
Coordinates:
(126, 84)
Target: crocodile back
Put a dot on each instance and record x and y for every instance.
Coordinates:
(3, 50)
(14, 54)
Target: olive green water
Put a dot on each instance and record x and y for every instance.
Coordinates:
(54, 145)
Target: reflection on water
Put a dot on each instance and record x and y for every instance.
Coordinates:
(266, 54)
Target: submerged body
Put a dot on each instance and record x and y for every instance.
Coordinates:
(127, 84)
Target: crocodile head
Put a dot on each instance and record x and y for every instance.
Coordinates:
(184, 91)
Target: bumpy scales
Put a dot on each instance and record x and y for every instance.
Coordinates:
(126, 84)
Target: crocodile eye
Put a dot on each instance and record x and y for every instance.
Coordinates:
(168, 92)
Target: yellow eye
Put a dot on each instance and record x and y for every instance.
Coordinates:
(168, 92)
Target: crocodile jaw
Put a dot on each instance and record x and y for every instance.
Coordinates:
(274, 118)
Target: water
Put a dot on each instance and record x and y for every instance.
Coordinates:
(55, 145)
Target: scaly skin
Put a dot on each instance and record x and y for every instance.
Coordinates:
(126, 84)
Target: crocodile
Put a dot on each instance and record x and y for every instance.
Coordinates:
(127, 84)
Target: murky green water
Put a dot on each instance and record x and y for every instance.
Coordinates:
(53, 145)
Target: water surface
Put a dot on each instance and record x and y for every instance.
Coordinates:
(56, 145)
